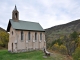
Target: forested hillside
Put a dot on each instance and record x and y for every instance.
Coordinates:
(4, 37)
(56, 32)
(65, 39)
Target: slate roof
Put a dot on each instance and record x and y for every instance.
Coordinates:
(24, 25)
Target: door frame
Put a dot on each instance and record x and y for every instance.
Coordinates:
(12, 47)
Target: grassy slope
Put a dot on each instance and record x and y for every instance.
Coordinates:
(33, 55)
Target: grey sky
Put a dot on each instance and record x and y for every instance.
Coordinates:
(47, 12)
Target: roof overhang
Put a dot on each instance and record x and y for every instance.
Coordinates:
(30, 30)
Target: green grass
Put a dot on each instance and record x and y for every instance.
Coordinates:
(32, 55)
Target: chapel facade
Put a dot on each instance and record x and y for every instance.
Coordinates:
(24, 35)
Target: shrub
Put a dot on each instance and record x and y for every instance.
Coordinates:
(55, 47)
(76, 54)
(63, 49)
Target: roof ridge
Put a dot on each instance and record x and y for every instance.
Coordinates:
(26, 21)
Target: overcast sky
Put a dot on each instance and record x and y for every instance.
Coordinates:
(47, 12)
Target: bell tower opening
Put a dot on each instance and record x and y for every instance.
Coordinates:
(15, 14)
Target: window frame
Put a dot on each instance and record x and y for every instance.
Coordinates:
(22, 35)
(29, 35)
(40, 35)
(35, 35)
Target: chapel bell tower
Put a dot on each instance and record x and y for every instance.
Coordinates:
(15, 14)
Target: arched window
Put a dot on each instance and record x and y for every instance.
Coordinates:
(40, 36)
(15, 15)
(29, 35)
(35, 35)
(21, 35)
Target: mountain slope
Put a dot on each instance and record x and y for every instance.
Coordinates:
(55, 32)
(1, 29)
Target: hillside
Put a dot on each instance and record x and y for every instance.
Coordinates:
(4, 37)
(56, 32)
(1, 29)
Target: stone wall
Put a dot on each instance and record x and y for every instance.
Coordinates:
(25, 44)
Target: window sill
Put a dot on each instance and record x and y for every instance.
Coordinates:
(21, 40)
(33, 40)
(26, 41)
(39, 40)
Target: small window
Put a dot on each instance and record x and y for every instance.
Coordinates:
(29, 35)
(35, 35)
(40, 36)
(21, 35)
(12, 32)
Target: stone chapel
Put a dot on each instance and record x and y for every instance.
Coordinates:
(24, 35)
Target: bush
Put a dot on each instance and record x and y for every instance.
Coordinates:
(63, 49)
(55, 47)
(76, 54)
